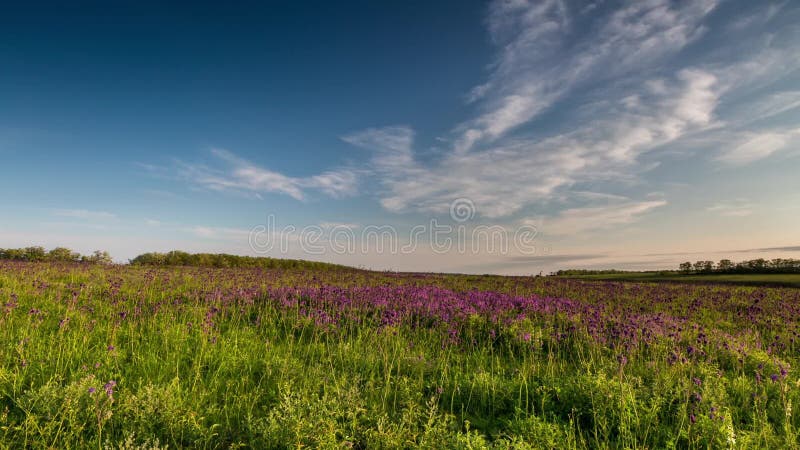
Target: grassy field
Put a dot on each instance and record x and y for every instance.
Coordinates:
(136, 357)
(787, 280)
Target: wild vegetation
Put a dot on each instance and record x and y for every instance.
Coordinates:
(58, 254)
(760, 265)
(121, 356)
(179, 258)
(756, 272)
(724, 266)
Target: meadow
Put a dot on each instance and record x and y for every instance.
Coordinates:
(747, 279)
(112, 356)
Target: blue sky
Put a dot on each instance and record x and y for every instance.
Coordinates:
(627, 134)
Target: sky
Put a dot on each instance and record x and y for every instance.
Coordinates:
(405, 135)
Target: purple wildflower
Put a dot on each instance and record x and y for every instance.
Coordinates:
(109, 388)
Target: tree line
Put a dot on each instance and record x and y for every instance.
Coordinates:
(760, 265)
(179, 258)
(173, 258)
(59, 254)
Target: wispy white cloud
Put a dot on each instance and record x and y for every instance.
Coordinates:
(85, 214)
(540, 61)
(162, 194)
(334, 183)
(771, 105)
(244, 177)
(152, 169)
(339, 225)
(507, 176)
(758, 18)
(756, 146)
(736, 208)
(219, 233)
(581, 220)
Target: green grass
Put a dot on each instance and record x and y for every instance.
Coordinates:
(787, 280)
(214, 358)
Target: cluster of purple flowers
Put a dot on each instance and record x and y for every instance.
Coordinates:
(108, 388)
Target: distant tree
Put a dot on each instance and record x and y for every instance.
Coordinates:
(63, 254)
(725, 265)
(757, 264)
(685, 267)
(17, 254)
(98, 257)
(35, 254)
(784, 265)
(704, 266)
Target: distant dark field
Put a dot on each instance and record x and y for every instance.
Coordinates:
(771, 279)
